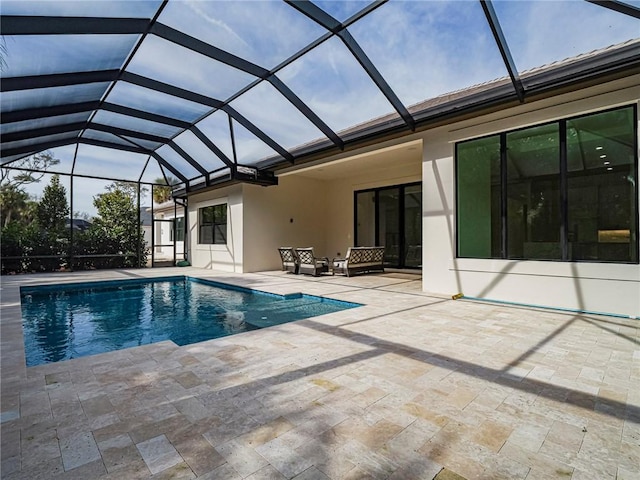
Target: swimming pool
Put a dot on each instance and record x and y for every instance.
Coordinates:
(75, 320)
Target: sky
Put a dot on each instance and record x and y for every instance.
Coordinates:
(422, 48)
(94, 161)
(84, 190)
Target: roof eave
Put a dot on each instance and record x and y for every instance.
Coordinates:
(540, 83)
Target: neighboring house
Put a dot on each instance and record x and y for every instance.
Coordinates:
(79, 224)
(145, 223)
(533, 203)
(168, 226)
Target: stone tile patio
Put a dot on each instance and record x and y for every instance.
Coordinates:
(400, 388)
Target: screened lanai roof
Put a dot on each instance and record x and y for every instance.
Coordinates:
(207, 91)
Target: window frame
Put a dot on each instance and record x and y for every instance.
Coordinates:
(564, 190)
(217, 238)
(177, 230)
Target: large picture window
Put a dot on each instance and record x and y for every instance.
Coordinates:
(213, 224)
(565, 190)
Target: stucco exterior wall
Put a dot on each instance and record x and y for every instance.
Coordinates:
(227, 257)
(303, 211)
(597, 287)
(293, 213)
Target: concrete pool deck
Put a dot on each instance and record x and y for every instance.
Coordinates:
(400, 388)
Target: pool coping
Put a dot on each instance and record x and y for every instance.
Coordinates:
(12, 356)
(26, 290)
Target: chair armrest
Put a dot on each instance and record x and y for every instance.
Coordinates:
(336, 259)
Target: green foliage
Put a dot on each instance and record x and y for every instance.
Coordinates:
(53, 209)
(163, 194)
(29, 228)
(15, 202)
(11, 237)
(22, 244)
(129, 188)
(114, 240)
(115, 230)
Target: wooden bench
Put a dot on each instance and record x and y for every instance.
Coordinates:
(359, 260)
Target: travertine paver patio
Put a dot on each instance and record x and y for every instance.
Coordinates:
(399, 388)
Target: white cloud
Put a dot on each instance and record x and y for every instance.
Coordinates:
(543, 32)
(48, 54)
(198, 151)
(216, 23)
(263, 32)
(216, 128)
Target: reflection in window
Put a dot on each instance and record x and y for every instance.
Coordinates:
(213, 224)
(595, 208)
(479, 198)
(601, 181)
(366, 218)
(177, 234)
(533, 193)
(388, 220)
(391, 217)
(413, 226)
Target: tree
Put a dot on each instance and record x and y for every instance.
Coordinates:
(53, 209)
(115, 229)
(14, 200)
(129, 188)
(31, 169)
(162, 194)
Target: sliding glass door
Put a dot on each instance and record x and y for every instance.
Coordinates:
(388, 225)
(412, 226)
(391, 217)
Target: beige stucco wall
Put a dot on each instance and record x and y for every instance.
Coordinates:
(321, 210)
(299, 211)
(227, 257)
(293, 213)
(598, 287)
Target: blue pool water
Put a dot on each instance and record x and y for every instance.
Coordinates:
(76, 320)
